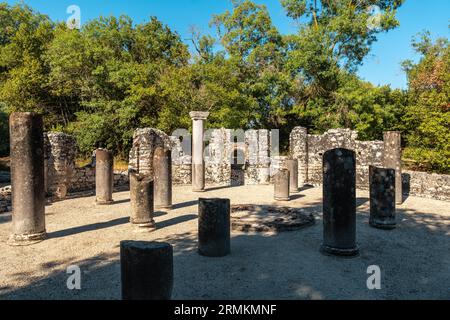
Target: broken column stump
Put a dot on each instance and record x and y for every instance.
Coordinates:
(141, 197)
(281, 185)
(27, 178)
(104, 177)
(292, 166)
(382, 198)
(146, 270)
(162, 167)
(214, 227)
(339, 203)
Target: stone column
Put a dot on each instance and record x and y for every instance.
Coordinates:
(214, 227)
(299, 151)
(141, 196)
(339, 203)
(198, 162)
(27, 178)
(393, 160)
(281, 185)
(104, 177)
(292, 166)
(146, 270)
(162, 168)
(382, 198)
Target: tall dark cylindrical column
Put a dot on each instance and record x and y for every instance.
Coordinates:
(104, 177)
(292, 166)
(27, 178)
(214, 227)
(141, 196)
(339, 203)
(281, 185)
(382, 198)
(146, 270)
(162, 166)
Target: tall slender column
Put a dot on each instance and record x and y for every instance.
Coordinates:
(393, 160)
(339, 203)
(292, 166)
(27, 178)
(162, 168)
(198, 161)
(104, 177)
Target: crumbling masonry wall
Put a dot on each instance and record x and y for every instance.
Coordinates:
(309, 150)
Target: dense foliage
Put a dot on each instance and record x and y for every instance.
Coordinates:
(112, 76)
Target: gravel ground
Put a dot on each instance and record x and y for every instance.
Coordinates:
(414, 259)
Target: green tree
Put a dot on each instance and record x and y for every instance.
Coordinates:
(427, 119)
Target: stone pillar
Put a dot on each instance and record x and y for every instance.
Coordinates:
(162, 167)
(339, 203)
(146, 270)
(393, 160)
(27, 178)
(281, 185)
(292, 166)
(382, 198)
(104, 177)
(299, 151)
(214, 227)
(198, 162)
(141, 196)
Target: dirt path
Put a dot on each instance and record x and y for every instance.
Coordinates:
(414, 259)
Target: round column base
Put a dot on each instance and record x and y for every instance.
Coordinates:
(144, 227)
(22, 240)
(282, 199)
(331, 251)
(163, 207)
(103, 202)
(198, 190)
(388, 225)
(215, 254)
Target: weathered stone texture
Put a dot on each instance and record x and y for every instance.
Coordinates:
(145, 142)
(60, 152)
(5, 199)
(427, 185)
(310, 154)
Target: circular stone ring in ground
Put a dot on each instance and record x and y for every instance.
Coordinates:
(264, 218)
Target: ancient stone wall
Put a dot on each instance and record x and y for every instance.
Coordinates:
(60, 151)
(5, 199)
(310, 154)
(427, 185)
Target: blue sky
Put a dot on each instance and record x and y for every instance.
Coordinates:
(381, 67)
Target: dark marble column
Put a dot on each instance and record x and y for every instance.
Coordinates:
(339, 203)
(104, 177)
(214, 227)
(146, 270)
(382, 198)
(162, 167)
(281, 185)
(141, 196)
(292, 166)
(393, 160)
(27, 178)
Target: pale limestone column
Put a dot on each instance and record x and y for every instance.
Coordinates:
(198, 162)
(393, 160)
